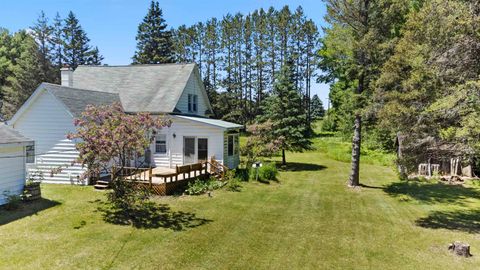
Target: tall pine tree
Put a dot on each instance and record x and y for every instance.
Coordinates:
(154, 40)
(316, 107)
(42, 32)
(57, 44)
(284, 109)
(76, 50)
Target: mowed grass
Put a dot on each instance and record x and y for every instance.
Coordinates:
(308, 220)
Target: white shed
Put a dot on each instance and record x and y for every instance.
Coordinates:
(15, 151)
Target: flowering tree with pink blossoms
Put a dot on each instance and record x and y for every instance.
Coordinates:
(261, 143)
(109, 139)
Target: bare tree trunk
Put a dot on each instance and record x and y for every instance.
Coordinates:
(354, 179)
(284, 160)
(356, 144)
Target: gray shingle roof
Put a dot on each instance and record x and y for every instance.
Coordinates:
(77, 99)
(9, 135)
(152, 88)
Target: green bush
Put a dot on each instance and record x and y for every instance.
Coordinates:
(125, 196)
(268, 172)
(13, 200)
(200, 186)
(242, 174)
(234, 184)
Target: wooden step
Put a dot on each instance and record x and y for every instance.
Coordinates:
(100, 186)
(103, 182)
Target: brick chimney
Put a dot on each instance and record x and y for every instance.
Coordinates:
(66, 74)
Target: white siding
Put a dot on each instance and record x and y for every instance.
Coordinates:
(47, 122)
(193, 87)
(181, 128)
(12, 170)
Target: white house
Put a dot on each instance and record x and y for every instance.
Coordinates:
(173, 89)
(15, 151)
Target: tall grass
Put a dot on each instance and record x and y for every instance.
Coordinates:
(338, 149)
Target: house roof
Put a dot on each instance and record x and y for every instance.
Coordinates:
(212, 122)
(75, 100)
(9, 135)
(152, 88)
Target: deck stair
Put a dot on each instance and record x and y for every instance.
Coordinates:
(102, 184)
(217, 169)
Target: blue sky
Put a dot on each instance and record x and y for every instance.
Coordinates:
(112, 24)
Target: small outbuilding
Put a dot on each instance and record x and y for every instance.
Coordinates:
(15, 151)
(428, 155)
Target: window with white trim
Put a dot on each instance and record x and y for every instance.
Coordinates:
(30, 154)
(192, 103)
(161, 144)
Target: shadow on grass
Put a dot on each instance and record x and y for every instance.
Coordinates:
(460, 220)
(432, 192)
(297, 166)
(26, 209)
(151, 215)
(370, 187)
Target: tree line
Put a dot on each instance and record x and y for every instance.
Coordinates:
(409, 67)
(239, 56)
(255, 67)
(30, 57)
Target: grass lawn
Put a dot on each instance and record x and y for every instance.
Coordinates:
(307, 220)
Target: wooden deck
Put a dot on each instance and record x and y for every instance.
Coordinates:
(165, 181)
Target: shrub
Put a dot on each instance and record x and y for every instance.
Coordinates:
(126, 196)
(234, 185)
(268, 172)
(13, 200)
(199, 186)
(242, 174)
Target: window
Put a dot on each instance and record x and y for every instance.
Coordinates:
(232, 145)
(195, 97)
(192, 103)
(202, 145)
(30, 154)
(161, 144)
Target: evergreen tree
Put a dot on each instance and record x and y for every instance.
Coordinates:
(25, 72)
(6, 65)
(154, 41)
(212, 50)
(316, 107)
(310, 60)
(284, 109)
(94, 57)
(182, 44)
(241, 54)
(75, 42)
(57, 45)
(260, 48)
(42, 32)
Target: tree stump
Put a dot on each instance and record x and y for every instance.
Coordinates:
(460, 249)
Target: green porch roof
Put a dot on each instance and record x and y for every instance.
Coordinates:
(212, 122)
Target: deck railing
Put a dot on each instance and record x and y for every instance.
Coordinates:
(145, 176)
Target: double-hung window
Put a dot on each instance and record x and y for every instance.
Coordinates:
(161, 144)
(192, 103)
(232, 144)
